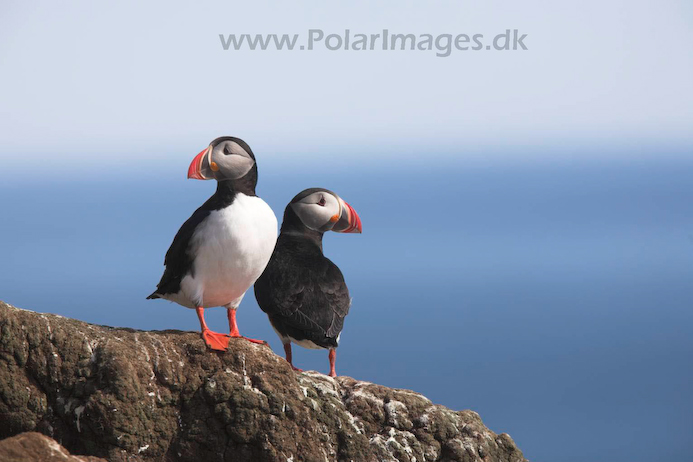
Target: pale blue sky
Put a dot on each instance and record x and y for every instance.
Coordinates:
(149, 79)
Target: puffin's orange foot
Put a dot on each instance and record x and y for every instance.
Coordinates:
(252, 340)
(332, 374)
(215, 340)
(296, 369)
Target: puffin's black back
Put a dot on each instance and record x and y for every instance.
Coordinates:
(302, 291)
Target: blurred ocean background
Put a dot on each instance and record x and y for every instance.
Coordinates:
(552, 297)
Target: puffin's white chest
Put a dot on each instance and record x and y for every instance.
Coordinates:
(232, 248)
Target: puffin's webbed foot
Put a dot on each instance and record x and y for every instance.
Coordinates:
(252, 340)
(215, 340)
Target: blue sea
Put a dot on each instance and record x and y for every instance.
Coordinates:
(555, 298)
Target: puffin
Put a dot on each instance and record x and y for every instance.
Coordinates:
(225, 245)
(302, 292)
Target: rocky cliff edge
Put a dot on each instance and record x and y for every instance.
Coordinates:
(128, 395)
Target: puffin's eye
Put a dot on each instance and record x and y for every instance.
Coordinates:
(227, 150)
(322, 201)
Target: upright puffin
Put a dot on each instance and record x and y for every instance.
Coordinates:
(301, 290)
(225, 245)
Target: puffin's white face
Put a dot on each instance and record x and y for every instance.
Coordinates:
(319, 211)
(322, 210)
(226, 160)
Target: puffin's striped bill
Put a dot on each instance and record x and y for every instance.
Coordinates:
(195, 169)
(354, 220)
(350, 222)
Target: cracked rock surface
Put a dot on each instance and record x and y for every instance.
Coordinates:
(128, 395)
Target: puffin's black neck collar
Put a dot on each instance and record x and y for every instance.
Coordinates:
(245, 185)
(293, 226)
(227, 190)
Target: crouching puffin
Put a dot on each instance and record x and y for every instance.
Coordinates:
(302, 291)
(225, 245)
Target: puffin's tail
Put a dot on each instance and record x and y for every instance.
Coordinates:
(153, 296)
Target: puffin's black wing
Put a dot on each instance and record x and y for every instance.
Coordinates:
(179, 260)
(304, 299)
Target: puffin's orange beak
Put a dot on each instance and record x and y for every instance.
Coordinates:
(349, 221)
(197, 166)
